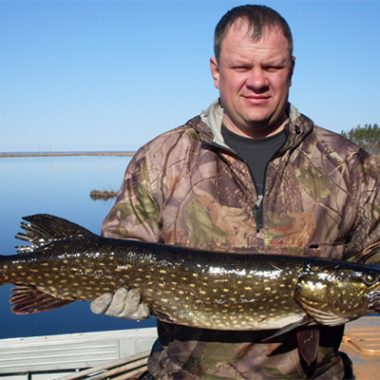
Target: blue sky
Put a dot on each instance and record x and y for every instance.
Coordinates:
(111, 75)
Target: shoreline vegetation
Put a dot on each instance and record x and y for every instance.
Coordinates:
(105, 195)
(64, 154)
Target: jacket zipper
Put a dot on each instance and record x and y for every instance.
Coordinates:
(258, 212)
(258, 209)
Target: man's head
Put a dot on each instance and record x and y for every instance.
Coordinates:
(259, 17)
(252, 68)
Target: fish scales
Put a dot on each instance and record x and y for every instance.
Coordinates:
(205, 289)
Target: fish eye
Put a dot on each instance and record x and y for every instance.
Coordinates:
(371, 278)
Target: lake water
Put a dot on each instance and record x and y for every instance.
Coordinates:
(59, 186)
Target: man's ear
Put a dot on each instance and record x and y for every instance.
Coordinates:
(214, 67)
(291, 72)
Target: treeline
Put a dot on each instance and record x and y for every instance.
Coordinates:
(367, 137)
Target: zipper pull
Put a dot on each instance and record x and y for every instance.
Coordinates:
(257, 208)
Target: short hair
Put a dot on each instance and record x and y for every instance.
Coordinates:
(259, 17)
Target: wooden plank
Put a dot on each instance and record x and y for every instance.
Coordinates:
(106, 366)
(132, 374)
(126, 369)
(362, 345)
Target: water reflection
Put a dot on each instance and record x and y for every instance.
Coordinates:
(59, 186)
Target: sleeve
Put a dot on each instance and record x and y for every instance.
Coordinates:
(135, 213)
(364, 243)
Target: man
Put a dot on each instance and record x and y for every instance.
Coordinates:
(250, 174)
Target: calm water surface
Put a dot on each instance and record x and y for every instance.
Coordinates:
(59, 186)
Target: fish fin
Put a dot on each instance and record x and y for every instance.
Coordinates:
(163, 317)
(291, 326)
(29, 300)
(308, 344)
(327, 318)
(42, 229)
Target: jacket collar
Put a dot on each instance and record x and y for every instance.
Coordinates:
(210, 129)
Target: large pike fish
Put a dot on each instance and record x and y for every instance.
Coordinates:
(66, 262)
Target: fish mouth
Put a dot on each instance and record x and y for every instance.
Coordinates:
(374, 300)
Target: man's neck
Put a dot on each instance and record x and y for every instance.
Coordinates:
(256, 133)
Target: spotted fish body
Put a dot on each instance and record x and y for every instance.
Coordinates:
(204, 289)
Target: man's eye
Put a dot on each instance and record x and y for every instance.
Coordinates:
(272, 68)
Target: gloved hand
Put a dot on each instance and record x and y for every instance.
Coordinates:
(122, 304)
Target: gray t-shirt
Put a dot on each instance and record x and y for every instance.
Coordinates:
(255, 152)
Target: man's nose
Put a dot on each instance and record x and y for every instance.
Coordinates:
(257, 79)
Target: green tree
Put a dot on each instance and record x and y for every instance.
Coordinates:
(367, 137)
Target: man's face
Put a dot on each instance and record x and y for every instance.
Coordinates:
(253, 78)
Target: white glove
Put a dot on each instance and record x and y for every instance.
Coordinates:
(122, 304)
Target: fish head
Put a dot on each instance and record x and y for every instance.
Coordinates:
(372, 279)
(336, 294)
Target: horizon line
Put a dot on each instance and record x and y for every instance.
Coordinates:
(65, 154)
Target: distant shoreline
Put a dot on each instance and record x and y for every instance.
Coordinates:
(64, 154)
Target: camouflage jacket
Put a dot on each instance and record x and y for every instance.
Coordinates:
(186, 187)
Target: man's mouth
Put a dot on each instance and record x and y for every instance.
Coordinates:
(256, 99)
